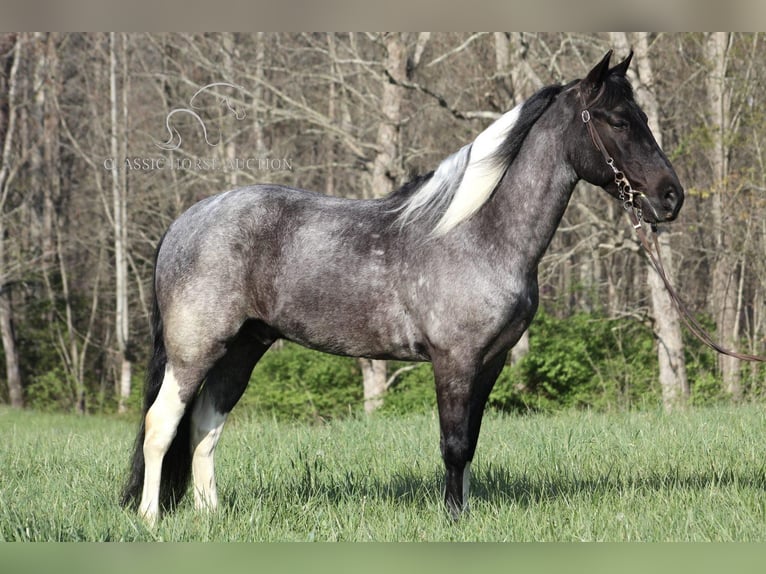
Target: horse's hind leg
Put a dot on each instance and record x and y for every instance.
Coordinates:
(223, 387)
(161, 427)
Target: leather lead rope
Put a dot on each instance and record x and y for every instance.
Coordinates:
(627, 195)
(683, 311)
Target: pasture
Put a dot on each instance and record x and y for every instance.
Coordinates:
(572, 476)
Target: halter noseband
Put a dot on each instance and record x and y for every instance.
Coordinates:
(626, 193)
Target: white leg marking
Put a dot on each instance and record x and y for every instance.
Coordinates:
(207, 425)
(160, 425)
(466, 484)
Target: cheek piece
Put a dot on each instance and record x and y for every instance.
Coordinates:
(625, 190)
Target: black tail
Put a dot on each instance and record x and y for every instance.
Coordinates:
(176, 466)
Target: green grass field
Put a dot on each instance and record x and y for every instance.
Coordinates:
(696, 476)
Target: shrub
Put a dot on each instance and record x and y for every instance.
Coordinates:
(583, 360)
(51, 392)
(413, 391)
(292, 382)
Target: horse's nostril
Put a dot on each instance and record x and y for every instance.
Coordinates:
(672, 198)
(671, 195)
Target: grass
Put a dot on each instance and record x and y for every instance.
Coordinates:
(573, 476)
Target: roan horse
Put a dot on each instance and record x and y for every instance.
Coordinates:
(442, 270)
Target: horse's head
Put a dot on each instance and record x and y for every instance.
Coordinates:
(613, 147)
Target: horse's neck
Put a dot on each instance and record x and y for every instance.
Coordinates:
(530, 201)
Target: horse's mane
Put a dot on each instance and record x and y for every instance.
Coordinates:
(464, 181)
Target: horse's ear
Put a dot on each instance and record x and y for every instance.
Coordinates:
(622, 68)
(598, 74)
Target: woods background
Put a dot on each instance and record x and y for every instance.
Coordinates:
(106, 138)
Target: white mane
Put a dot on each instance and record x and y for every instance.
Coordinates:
(465, 180)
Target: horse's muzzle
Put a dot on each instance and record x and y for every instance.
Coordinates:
(664, 204)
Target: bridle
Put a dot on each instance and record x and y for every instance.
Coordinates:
(626, 193)
(628, 196)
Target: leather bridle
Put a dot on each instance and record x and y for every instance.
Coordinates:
(625, 190)
(628, 197)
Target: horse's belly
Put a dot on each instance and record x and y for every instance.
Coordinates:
(357, 342)
(348, 323)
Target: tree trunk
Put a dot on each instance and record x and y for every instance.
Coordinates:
(46, 179)
(332, 96)
(229, 151)
(384, 177)
(8, 128)
(384, 167)
(374, 380)
(723, 295)
(667, 332)
(12, 369)
(41, 157)
(516, 81)
(667, 328)
(119, 206)
(259, 95)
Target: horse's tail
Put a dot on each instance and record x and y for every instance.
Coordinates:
(176, 467)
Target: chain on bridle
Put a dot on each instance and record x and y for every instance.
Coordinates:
(627, 194)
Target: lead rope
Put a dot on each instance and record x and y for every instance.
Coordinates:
(683, 311)
(628, 195)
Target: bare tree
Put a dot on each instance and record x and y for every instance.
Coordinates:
(667, 329)
(45, 159)
(516, 80)
(118, 119)
(10, 44)
(723, 295)
(358, 114)
(385, 175)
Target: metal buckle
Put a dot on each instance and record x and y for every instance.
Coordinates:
(585, 116)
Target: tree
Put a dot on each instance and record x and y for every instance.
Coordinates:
(517, 81)
(385, 172)
(667, 328)
(118, 119)
(357, 114)
(10, 44)
(45, 158)
(723, 295)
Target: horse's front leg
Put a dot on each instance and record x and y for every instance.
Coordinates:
(462, 390)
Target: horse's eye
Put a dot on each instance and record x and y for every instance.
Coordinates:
(619, 124)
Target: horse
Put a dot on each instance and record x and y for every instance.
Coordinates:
(442, 270)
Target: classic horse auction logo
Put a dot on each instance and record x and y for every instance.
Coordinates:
(174, 139)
